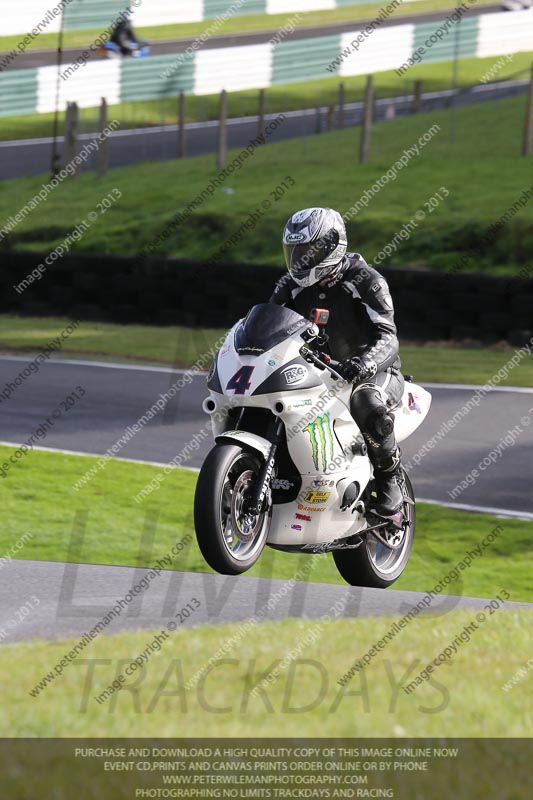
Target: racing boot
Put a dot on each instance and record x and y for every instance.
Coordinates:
(389, 496)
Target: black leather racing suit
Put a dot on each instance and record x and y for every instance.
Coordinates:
(361, 323)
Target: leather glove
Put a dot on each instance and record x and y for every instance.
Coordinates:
(357, 370)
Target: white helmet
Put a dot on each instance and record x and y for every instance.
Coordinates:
(314, 245)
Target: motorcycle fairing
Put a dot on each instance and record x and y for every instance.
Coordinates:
(322, 437)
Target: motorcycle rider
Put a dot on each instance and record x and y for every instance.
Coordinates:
(361, 330)
(124, 37)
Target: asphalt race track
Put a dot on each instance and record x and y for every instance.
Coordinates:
(74, 597)
(117, 397)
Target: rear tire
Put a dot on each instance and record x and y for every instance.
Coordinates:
(372, 564)
(229, 543)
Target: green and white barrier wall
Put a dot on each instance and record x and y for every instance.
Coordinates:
(208, 71)
(97, 14)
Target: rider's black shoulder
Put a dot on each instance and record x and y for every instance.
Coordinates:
(282, 290)
(365, 276)
(286, 280)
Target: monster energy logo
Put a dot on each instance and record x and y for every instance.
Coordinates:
(321, 437)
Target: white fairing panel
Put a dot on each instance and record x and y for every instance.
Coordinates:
(320, 436)
(246, 439)
(315, 516)
(229, 361)
(416, 402)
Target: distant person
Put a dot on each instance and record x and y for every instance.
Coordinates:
(124, 37)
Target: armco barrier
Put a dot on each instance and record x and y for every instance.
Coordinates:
(429, 305)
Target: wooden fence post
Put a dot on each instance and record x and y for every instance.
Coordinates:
(261, 117)
(342, 103)
(417, 97)
(222, 154)
(368, 115)
(181, 125)
(71, 134)
(528, 122)
(102, 162)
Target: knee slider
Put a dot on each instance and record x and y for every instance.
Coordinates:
(380, 423)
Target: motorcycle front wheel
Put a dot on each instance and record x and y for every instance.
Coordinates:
(230, 538)
(374, 564)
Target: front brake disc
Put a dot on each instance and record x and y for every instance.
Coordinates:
(245, 526)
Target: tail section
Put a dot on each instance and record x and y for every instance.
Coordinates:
(416, 402)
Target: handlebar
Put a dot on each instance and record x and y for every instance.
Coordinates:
(312, 358)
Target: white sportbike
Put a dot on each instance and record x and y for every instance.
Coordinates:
(290, 468)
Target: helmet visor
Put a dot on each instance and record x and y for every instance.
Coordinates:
(302, 258)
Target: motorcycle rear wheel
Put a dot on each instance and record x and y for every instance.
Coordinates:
(230, 541)
(373, 564)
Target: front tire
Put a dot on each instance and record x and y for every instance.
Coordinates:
(229, 539)
(373, 564)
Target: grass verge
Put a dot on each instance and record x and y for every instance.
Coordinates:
(182, 347)
(325, 172)
(462, 698)
(38, 498)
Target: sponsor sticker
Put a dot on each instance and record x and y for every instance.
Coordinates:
(301, 324)
(282, 483)
(291, 238)
(322, 446)
(303, 403)
(296, 527)
(318, 483)
(413, 405)
(316, 497)
(295, 375)
(304, 517)
(301, 507)
(271, 363)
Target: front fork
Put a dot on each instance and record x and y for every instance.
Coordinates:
(262, 486)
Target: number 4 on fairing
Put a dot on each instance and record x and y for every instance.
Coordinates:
(241, 381)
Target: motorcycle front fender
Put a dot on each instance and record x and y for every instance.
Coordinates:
(248, 441)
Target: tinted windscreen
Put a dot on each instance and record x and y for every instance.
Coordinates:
(266, 326)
